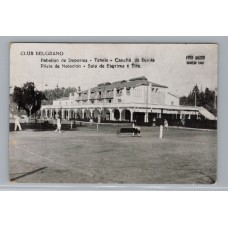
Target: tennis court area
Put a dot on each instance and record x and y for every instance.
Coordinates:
(83, 155)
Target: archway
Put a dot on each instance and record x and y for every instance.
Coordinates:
(96, 113)
(87, 114)
(43, 113)
(126, 115)
(138, 117)
(55, 113)
(105, 114)
(72, 116)
(65, 114)
(116, 113)
(79, 114)
(48, 113)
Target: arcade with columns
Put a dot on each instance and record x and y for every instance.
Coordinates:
(117, 113)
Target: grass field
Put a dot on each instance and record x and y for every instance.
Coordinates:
(87, 156)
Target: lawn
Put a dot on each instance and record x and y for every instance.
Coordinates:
(87, 156)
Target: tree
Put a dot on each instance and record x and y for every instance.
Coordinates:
(28, 98)
(53, 94)
(206, 99)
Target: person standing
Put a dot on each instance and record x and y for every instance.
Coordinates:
(17, 123)
(133, 126)
(58, 125)
(183, 122)
(166, 125)
(154, 122)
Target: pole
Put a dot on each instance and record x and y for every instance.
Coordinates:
(195, 94)
(161, 132)
(195, 98)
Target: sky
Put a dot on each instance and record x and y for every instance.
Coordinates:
(167, 65)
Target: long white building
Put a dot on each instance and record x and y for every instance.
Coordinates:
(134, 99)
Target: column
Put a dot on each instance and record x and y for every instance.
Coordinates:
(46, 113)
(91, 113)
(62, 113)
(146, 117)
(120, 111)
(51, 113)
(68, 114)
(111, 114)
(83, 111)
(75, 111)
(132, 112)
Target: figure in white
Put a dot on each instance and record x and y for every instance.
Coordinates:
(166, 125)
(17, 123)
(58, 125)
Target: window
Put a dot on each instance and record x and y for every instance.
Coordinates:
(109, 101)
(119, 100)
(154, 89)
(172, 102)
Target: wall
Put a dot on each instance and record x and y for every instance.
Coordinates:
(139, 94)
(171, 100)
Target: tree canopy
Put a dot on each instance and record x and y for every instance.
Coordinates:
(53, 94)
(28, 98)
(206, 98)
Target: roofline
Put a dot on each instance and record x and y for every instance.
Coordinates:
(143, 78)
(173, 95)
(62, 99)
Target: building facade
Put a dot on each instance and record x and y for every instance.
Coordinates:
(136, 99)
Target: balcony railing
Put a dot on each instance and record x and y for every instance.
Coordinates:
(102, 96)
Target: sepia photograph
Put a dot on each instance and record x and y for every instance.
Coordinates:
(113, 113)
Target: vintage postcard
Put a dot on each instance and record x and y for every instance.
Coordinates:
(113, 113)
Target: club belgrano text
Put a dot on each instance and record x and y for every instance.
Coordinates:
(94, 63)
